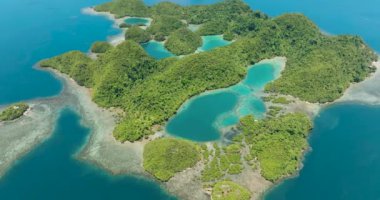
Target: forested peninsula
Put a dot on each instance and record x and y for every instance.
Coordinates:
(319, 69)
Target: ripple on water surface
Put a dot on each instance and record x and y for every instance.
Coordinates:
(203, 117)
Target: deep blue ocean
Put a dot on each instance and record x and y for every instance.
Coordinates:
(344, 162)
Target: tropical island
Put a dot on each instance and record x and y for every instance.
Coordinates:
(13, 112)
(149, 92)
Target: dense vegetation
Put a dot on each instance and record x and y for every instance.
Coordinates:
(100, 47)
(122, 8)
(137, 34)
(319, 68)
(183, 41)
(277, 143)
(13, 112)
(118, 70)
(168, 8)
(74, 63)
(222, 162)
(167, 156)
(228, 190)
(157, 98)
(164, 25)
(281, 100)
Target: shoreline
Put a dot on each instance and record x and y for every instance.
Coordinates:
(366, 91)
(356, 93)
(22, 140)
(103, 150)
(114, 40)
(119, 38)
(27, 131)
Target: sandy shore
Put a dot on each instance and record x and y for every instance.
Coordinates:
(366, 91)
(19, 136)
(101, 149)
(119, 38)
(115, 39)
(22, 135)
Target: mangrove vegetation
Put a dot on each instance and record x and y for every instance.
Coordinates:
(13, 112)
(167, 156)
(319, 67)
(276, 145)
(228, 190)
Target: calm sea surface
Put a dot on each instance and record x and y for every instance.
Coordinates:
(203, 117)
(344, 163)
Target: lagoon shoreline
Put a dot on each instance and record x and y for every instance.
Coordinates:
(103, 150)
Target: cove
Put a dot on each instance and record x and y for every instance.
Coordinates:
(203, 117)
(352, 17)
(157, 50)
(51, 171)
(344, 163)
(210, 42)
(136, 21)
(36, 30)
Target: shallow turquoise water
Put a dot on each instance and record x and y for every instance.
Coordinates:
(344, 163)
(53, 27)
(203, 117)
(157, 50)
(212, 41)
(51, 171)
(195, 121)
(136, 21)
(333, 16)
(31, 31)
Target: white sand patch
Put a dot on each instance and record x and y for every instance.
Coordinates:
(367, 91)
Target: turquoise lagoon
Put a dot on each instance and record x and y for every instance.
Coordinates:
(203, 117)
(210, 42)
(157, 49)
(137, 21)
(344, 162)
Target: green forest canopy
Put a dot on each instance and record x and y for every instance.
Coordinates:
(183, 42)
(319, 67)
(228, 190)
(13, 112)
(276, 143)
(166, 156)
